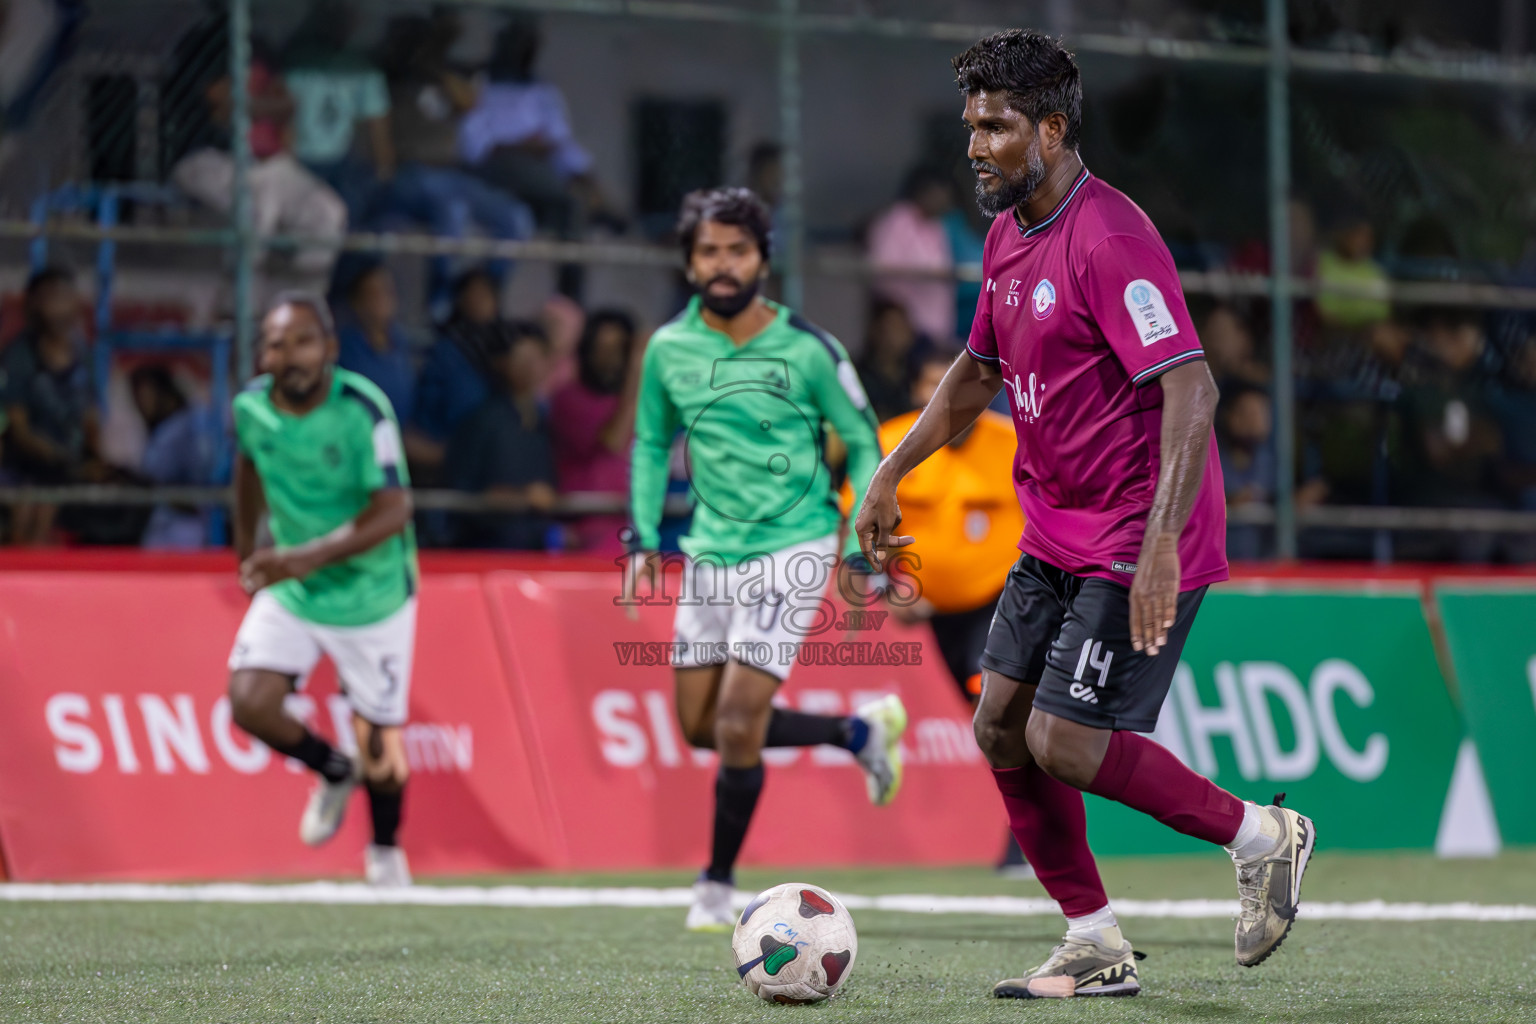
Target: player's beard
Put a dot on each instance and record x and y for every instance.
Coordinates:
(728, 306)
(1010, 191)
(292, 385)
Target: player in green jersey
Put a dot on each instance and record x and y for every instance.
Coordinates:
(751, 384)
(319, 451)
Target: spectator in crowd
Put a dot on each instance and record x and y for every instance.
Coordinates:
(457, 373)
(519, 138)
(1350, 263)
(1230, 350)
(1245, 424)
(334, 91)
(765, 177)
(1451, 440)
(180, 451)
(563, 322)
(1514, 404)
(372, 341)
(429, 97)
(592, 420)
(966, 245)
(911, 235)
(285, 196)
(503, 449)
(892, 350)
(45, 389)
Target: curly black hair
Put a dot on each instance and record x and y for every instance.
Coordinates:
(738, 206)
(1038, 73)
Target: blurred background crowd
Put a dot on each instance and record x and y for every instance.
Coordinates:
(486, 192)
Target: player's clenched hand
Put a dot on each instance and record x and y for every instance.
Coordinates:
(1155, 592)
(877, 521)
(272, 565)
(640, 568)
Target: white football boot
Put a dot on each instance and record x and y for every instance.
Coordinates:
(881, 756)
(326, 808)
(711, 910)
(386, 867)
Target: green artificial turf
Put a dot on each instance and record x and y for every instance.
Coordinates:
(198, 962)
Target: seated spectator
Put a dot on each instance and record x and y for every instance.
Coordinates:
(334, 91)
(1350, 263)
(1452, 446)
(429, 98)
(1245, 440)
(1229, 349)
(50, 412)
(179, 451)
(519, 138)
(892, 350)
(911, 235)
(456, 375)
(285, 196)
(1514, 404)
(373, 343)
(503, 450)
(592, 420)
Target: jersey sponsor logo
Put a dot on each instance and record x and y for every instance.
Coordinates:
(1125, 567)
(1026, 402)
(1044, 299)
(1012, 298)
(1149, 312)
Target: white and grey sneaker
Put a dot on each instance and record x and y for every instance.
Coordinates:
(326, 808)
(386, 867)
(711, 910)
(881, 756)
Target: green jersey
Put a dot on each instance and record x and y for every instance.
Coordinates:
(318, 472)
(753, 416)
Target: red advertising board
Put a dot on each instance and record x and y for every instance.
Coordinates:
(625, 789)
(119, 759)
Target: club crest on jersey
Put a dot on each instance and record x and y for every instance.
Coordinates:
(1044, 299)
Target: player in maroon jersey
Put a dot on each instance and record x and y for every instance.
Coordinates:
(1082, 319)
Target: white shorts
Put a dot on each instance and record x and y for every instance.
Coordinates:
(373, 662)
(757, 611)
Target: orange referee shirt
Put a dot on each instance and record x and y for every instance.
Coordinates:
(961, 507)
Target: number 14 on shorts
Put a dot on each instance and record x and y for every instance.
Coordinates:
(1093, 656)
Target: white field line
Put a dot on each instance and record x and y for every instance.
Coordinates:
(351, 893)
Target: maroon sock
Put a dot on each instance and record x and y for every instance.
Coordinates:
(1140, 774)
(1048, 820)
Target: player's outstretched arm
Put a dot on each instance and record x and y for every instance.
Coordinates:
(967, 389)
(1189, 407)
(250, 501)
(388, 512)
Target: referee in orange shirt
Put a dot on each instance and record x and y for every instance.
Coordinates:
(961, 507)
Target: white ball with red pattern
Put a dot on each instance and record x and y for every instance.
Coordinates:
(795, 943)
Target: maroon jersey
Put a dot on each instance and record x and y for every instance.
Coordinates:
(1082, 312)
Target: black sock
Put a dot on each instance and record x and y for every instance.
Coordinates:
(798, 729)
(736, 793)
(320, 756)
(385, 806)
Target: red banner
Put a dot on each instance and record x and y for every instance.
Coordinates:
(120, 762)
(594, 693)
(538, 738)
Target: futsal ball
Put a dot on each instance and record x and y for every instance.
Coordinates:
(794, 943)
